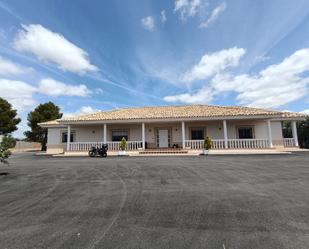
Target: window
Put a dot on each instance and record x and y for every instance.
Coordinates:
(118, 135)
(64, 137)
(245, 132)
(197, 134)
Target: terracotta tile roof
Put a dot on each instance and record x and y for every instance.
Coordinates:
(188, 111)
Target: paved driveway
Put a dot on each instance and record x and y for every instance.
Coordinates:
(156, 202)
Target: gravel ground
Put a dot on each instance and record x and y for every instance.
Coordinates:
(155, 202)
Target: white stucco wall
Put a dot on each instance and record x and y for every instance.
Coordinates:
(88, 133)
(214, 129)
(54, 145)
(53, 136)
(150, 132)
(135, 131)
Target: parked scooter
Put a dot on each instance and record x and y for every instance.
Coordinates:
(98, 151)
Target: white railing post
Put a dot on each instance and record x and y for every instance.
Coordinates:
(143, 136)
(225, 134)
(270, 139)
(183, 133)
(294, 132)
(104, 134)
(68, 137)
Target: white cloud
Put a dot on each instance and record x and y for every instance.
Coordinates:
(18, 93)
(148, 23)
(213, 16)
(187, 8)
(52, 47)
(8, 68)
(305, 111)
(22, 126)
(56, 88)
(82, 111)
(210, 64)
(99, 90)
(202, 96)
(275, 86)
(163, 16)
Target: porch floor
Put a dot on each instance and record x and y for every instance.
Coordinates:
(164, 151)
(195, 152)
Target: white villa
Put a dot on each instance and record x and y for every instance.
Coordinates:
(180, 127)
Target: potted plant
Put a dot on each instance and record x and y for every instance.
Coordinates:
(123, 146)
(207, 145)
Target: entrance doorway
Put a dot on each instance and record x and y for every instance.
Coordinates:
(163, 138)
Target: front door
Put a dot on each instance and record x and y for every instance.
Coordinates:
(163, 138)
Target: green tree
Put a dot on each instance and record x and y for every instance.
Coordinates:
(42, 113)
(303, 133)
(8, 119)
(7, 143)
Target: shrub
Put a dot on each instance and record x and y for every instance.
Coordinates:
(4, 154)
(123, 144)
(8, 142)
(207, 143)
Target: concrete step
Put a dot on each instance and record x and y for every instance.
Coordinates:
(161, 151)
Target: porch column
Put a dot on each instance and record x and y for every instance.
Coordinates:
(143, 136)
(183, 134)
(104, 134)
(294, 132)
(226, 145)
(68, 137)
(270, 137)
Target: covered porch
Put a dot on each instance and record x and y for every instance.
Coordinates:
(186, 135)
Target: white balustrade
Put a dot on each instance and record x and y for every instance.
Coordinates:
(289, 142)
(232, 144)
(248, 143)
(86, 146)
(217, 144)
(194, 144)
(199, 144)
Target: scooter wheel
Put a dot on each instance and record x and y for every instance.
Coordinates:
(104, 155)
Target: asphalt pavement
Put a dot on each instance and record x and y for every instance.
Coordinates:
(239, 202)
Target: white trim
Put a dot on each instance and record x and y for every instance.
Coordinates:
(104, 133)
(270, 139)
(63, 123)
(294, 132)
(69, 138)
(225, 134)
(289, 119)
(143, 136)
(183, 134)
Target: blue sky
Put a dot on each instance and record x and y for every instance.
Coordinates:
(98, 55)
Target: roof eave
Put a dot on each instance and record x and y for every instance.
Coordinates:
(178, 119)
